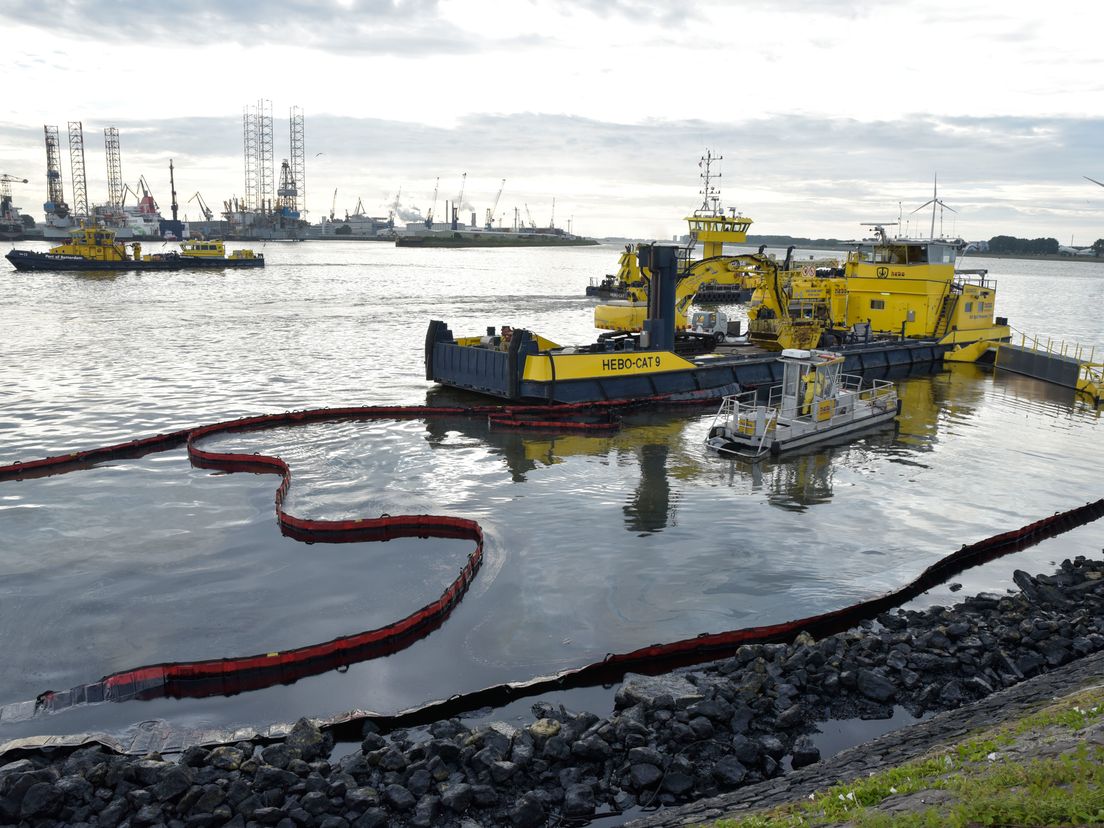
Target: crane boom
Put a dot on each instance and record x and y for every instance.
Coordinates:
(207, 212)
(532, 224)
(433, 209)
(491, 212)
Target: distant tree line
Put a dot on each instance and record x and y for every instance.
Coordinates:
(1033, 247)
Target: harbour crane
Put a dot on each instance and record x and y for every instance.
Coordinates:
(491, 212)
(458, 205)
(333, 204)
(208, 214)
(528, 215)
(6, 182)
(552, 221)
(433, 209)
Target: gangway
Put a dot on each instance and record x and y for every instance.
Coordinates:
(1060, 362)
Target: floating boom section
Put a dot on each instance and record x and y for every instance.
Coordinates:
(76, 166)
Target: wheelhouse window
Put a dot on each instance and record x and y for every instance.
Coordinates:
(877, 304)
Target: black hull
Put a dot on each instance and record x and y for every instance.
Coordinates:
(29, 260)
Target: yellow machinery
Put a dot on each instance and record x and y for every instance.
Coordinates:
(712, 230)
(902, 287)
(710, 226)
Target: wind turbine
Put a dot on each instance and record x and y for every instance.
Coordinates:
(934, 202)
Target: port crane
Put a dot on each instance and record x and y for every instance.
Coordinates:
(333, 204)
(532, 224)
(490, 213)
(433, 209)
(208, 213)
(6, 182)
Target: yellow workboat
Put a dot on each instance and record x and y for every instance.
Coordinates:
(95, 248)
(908, 288)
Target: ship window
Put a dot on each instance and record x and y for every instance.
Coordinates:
(969, 307)
(917, 255)
(877, 304)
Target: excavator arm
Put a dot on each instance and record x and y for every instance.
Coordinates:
(724, 270)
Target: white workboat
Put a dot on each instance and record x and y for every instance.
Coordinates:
(815, 402)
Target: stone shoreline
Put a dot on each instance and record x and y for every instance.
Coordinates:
(693, 736)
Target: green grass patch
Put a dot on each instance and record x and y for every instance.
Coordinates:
(980, 783)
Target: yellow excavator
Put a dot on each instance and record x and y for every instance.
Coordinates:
(744, 271)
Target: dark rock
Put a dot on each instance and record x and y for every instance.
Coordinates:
(148, 815)
(174, 782)
(40, 800)
(373, 818)
(804, 753)
(678, 782)
(729, 772)
(791, 717)
(556, 749)
(745, 749)
(772, 746)
(501, 771)
(398, 797)
(457, 797)
(701, 728)
(392, 760)
(592, 747)
(528, 812)
(308, 739)
(952, 693)
(875, 686)
(268, 815)
(362, 798)
(315, 802)
(643, 776)
(225, 758)
(279, 755)
(268, 777)
(372, 741)
(742, 715)
(484, 795)
(578, 800)
(670, 691)
(425, 812)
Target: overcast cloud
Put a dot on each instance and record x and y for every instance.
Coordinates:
(827, 113)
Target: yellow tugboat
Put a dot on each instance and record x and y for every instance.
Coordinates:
(96, 248)
(907, 288)
(712, 227)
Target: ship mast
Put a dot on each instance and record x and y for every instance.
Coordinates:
(708, 192)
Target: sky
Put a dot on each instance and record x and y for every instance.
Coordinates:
(827, 113)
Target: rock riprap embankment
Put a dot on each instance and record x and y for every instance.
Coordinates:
(673, 738)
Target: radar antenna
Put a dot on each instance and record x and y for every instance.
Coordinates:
(708, 192)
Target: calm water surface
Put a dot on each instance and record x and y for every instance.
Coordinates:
(594, 544)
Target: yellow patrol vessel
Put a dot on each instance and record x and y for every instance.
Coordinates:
(890, 287)
(95, 248)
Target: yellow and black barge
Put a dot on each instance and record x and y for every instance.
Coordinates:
(519, 365)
